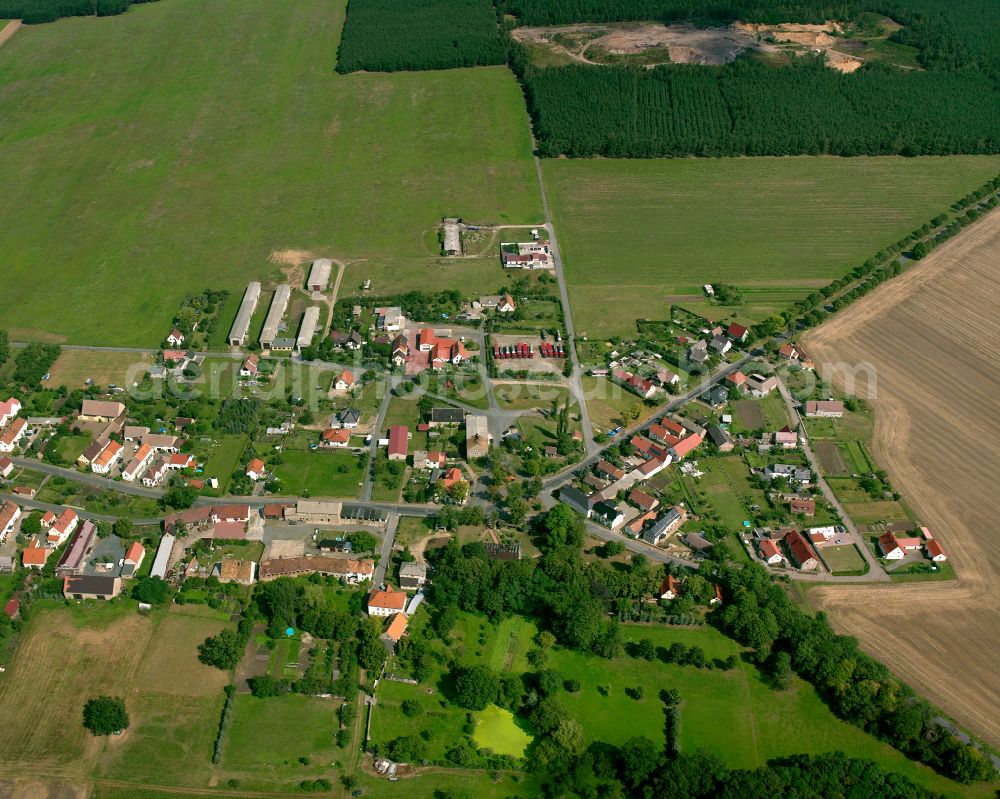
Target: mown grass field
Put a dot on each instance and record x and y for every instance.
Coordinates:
(317, 474)
(637, 235)
(74, 367)
(172, 155)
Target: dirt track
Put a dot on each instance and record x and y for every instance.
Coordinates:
(934, 337)
(9, 30)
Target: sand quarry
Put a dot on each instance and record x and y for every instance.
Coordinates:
(934, 337)
(686, 44)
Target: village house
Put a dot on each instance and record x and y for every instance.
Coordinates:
(133, 559)
(793, 352)
(48, 519)
(785, 439)
(664, 378)
(721, 344)
(34, 555)
(664, 526)
(698, 353)
(344, 381)
(12, 435)
(684, 447)
(525, 255)
(642, 500)
(440, 351)
(390, 319)
(736, 380)
(155, 473)
(349, 418)
(139, 462)
(760, 386)
(394, 631)
(134, 432)
(428, 460)
(670, 588)
(62, 527)
(698, 544)
(737, 332)
(400, 351)
(450, 478)
(163, 442)
(577, 500)
(176, 338)
(769, 552)
(335, 438)
(797, 505)
(787, 471)
(642, 386)
(827, 409)
(803, 555)
(180, 461)
(721, 438)
(386, 602)
(6, 466)
(608, 514)
(935, 551)
(8, 410)
(256, 469)
(9, 514)
(250, 366)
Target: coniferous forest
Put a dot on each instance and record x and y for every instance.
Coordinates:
(37, 11)
(950, 105)
(389, 36)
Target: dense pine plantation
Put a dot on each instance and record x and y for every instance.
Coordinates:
(749, 108)
(752, 109)
(390, 36)
(38, 11)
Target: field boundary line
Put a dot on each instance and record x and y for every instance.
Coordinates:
(9, 30)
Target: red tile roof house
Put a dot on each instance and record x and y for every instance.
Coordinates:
(669, 589)
(441, 351)
(608, 470)
(399, 442)
(6, 466)
(63, 527)
(250, 366)
(769, 552)
(829, 409)
(48, 519)
(803, 555)
(786, 439)
(133, 558)
(34, 556)
(935, 551)
(8, 410)
(889, 545)
(12, 435)
(344, 382)
(176, 338)
(737, 332)
(256, 469)
(335, 438)
(105, 462)
(387, 602)
(643, 500)
(685, 446)
(9, 514)
(737, 380)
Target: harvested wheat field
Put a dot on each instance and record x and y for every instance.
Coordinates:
(934, 337)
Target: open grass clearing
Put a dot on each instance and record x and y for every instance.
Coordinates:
(635, 233)
(606, 401)
(843, 559)
(73, 368)
(497, 729)
(164, 153)
(335, 473)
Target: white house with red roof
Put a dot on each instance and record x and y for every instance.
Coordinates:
(387, 602)
(12, 434)
(256, 470)
(107, 459)
(685, 446)
(9, 514)
(250, 366)
(344, 382)
(142, 458)
(935, 551)
(34, 555)
(441, 351)
(889, 545)
(337, 438)
(737, 332)
(176, 338)
(8, 410)
(506, 304)
(6, 466)
(769, 552)
(63, 527)
(181, 460)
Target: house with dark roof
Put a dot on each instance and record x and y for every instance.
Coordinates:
(92, 586)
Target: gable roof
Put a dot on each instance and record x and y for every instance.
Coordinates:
(389, 598)
(396, 628)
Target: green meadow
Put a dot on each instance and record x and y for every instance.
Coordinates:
(639, 235)
(192, 143)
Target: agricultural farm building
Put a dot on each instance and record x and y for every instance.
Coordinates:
(399, 442)
(828, 409)
(162, 559)
(477, 436)
(803, 555)
(452, 244)
(92, 586)
(412, 575)
(279, 304)
(319, 275)
(307, 330)
(446, 416)
(80, 546)
(235, 570)
(386, 602)
(241, 326)
(760, 386)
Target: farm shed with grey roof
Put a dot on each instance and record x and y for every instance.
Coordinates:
(279, 304)
(162, 559)
(308, 327)
(319, 275)
(238, 333)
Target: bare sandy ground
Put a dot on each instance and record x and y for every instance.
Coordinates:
(934, 336)
(9, 30)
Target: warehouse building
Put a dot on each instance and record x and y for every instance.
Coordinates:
(279, 304)
(238, 334)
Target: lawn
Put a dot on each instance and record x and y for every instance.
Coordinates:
(498, 729)
(174, 154)
(606, 401)
(525, 396)
(222, 457)
(639, 235)
(843, 559)
(318, 474)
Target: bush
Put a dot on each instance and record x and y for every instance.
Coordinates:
(105, 715)
(151, 590)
